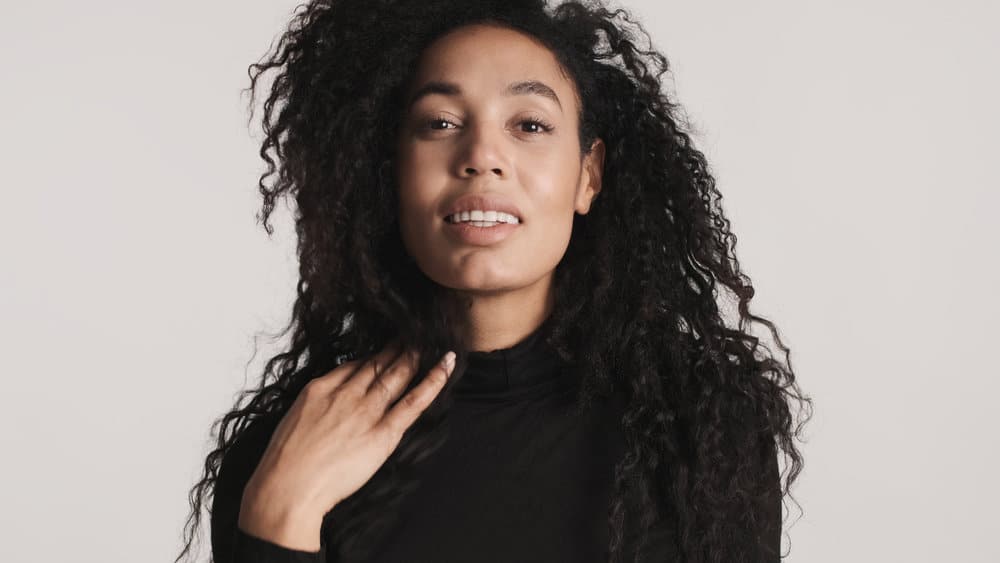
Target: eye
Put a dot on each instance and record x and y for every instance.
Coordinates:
(530, 125)
(433, 122)
(541, 125)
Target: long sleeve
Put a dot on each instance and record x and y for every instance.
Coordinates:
(251, 549)
(230, 544)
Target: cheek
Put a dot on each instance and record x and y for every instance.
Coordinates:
(553, 189)
(418, 196)
(415, 212)
(414, 184)
(551, 180)
(422, 168)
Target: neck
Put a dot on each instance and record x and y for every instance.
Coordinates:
(500, 319)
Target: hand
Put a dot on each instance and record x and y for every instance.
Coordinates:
(335, 436)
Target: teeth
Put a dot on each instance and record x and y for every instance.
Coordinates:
(483, 218)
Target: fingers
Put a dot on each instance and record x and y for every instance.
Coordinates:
(351, 371)
(373, 367)
(390, 383)
(405, 412)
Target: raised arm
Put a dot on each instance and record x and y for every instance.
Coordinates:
(231, 544)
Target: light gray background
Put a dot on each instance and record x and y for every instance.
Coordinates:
(855, 144)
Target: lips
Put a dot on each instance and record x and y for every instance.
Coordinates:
(468, 234)
(484, 202)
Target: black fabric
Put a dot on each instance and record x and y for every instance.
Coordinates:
(520, 478)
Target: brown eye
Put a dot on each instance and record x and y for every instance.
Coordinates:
(541, 126)
(430, 123)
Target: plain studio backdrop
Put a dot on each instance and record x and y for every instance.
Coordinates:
(855, 144)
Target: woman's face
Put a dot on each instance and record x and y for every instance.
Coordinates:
(493, 116)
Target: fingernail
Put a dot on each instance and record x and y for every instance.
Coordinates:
(449, 360)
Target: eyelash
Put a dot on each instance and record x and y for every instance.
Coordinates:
(545, 126)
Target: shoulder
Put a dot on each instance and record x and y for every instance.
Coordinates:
(246, 449)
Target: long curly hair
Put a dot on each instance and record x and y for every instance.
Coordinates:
(636, 293)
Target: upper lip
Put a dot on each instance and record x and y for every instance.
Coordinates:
(484, 202)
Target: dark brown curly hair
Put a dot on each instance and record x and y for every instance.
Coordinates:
(636, 309)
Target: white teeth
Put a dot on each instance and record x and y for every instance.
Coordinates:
(483, 218)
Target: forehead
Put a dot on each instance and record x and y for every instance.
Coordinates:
(485, 59)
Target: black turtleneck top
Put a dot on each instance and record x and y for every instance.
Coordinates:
(520, 478)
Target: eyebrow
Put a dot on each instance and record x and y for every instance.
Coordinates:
(522, 88)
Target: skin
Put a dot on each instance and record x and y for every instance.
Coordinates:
(481, 140)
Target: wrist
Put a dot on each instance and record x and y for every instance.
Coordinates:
(288, 525)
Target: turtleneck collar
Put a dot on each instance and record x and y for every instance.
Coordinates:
(528, 363)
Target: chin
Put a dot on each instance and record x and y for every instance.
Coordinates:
(477, 282)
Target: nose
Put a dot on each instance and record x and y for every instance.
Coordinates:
(483, 153)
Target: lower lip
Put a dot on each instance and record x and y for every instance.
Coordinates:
(479, 236)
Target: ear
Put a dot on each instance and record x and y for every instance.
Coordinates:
(590, 177)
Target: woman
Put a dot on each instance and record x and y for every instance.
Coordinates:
(507, 181)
